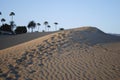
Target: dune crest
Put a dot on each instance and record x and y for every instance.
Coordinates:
(93, 36)
(76, 54)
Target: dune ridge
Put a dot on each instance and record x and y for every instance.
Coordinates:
(12, 40)
(65, 55)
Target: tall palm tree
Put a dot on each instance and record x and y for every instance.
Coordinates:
(12, 14)
(12, 24)
(48, 27)
(38, 24)
(3, 20)
(46, 24)
(0, 13)
(31, 25)
(56, 26)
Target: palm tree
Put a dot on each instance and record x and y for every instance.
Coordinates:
(3, 20)
(0, 13)
(56, 25)
(46, 24)
(48, 27)
(12, 14)
(31, 25)
(38, 24)
(12, 24)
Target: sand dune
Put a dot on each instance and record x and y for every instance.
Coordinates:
(77, 54)
(12, 40)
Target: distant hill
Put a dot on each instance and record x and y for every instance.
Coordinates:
(114, 34)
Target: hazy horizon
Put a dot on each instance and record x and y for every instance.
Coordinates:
(69, 14)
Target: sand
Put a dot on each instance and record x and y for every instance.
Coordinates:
(65, 55)
(7, 41)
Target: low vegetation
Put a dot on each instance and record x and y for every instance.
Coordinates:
(20, 30)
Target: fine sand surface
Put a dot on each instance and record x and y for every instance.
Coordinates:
(11, 40)
(76, 54)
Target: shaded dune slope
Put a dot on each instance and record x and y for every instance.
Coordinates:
(65, 55)
(12, 40)
(92, 36)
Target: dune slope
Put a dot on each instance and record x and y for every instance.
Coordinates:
(77, 54)
(7, 41)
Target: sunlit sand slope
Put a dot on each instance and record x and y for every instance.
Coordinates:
(76, 54)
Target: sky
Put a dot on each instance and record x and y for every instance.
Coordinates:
(103, 14)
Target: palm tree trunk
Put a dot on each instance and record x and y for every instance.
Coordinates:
(38, 28)
(2, 23)
(32, 29)
(55, 27)
(46, 28)
(12, 18)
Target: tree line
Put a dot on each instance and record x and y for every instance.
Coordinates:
(32, 25)
(23, 29)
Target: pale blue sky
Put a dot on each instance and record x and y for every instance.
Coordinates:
(104, 14)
